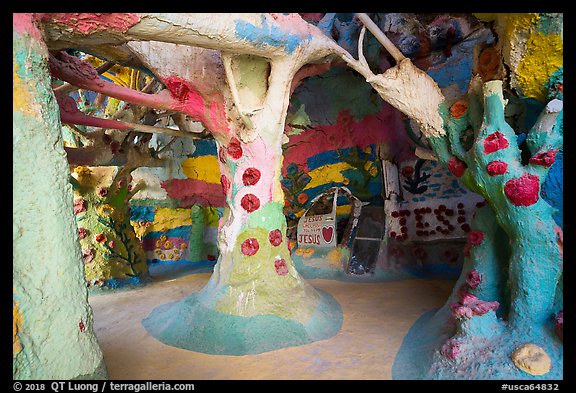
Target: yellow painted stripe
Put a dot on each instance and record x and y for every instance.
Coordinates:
(203, 168)
(326, 174)
(167, 218)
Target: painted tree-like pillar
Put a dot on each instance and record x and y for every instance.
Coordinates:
(53, 325)
(255, 300)
(112, 254)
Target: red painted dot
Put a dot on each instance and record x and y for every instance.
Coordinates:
(426, 225)
(546, 159)
(449, 212)
(442, 207)
(250, 176)
(457, 167)
(250, 203)
(460, 205)
(465, 227)
(281, 267)
(395, 214)
(234, 149)
(275, 237)
(494, 142)
(402, 221)
(461, 220)
(495, 168)
(250, 246)
(392, 234)
(403, 230)
(428, 210)
(419, 225)
(523, 191)
(462, 212)
(476, 237)
(81, 326)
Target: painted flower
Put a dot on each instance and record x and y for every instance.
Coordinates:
(250, 176)
(449, 255)
(102, 191)
(373, 171)
(100, 238)
(407, 171)
(460, 311)
(523, 191)
(105, 209)
(292, 216)
(473, 278)
(79, 205)
(546, 159)
(88, 255)
(496, 168)
(211, 257)
(286, 203)
(82, 233)
(281, 267)
(494, 142)
(367, 165)
(168, 244)
(82, 170)
(183, 246)
(275, 237)
(234, 149)
(476, 237)
(302, 198)
(121, 182)
(250, 246)
(345, 181)
(457, 166)
(250, 203)
(292, 169)
(458, 109)
(111, 244)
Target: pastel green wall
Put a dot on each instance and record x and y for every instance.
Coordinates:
(55, 327)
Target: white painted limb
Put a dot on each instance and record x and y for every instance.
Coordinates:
(227, 61)
(381, 37)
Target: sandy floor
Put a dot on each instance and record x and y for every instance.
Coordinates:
(376, 318)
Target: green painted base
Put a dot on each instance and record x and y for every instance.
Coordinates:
(188, 324)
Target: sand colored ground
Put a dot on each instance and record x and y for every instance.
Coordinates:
(376, 317)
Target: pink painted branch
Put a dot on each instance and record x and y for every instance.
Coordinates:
(81, 74)
(70, 114)
(68, 88)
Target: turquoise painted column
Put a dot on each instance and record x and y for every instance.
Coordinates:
(53, 324)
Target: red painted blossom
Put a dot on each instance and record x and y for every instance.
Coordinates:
(286, 203)
(211, 257)
(88, 255)
(302, 198)
(250, 203)
(546, 159)
(111, 244)
(275, 237)
(494, 142)
(234, 149)
(473, 278)
(79, 205)
(523, 191)
(225, 183)
(81, 326)
(281, 267)
(476, 237)
(457, 166)
(458, 109)
(100, 238)
(496, 168)
(250, 246)
(470, 306)
(250, 176)
(82, 233)
(407, 171)
(102, 191)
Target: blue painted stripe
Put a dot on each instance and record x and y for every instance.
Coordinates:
(267, 34)
(205, 147)
(182, 231)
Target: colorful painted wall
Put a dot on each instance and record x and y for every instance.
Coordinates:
(177, 215)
